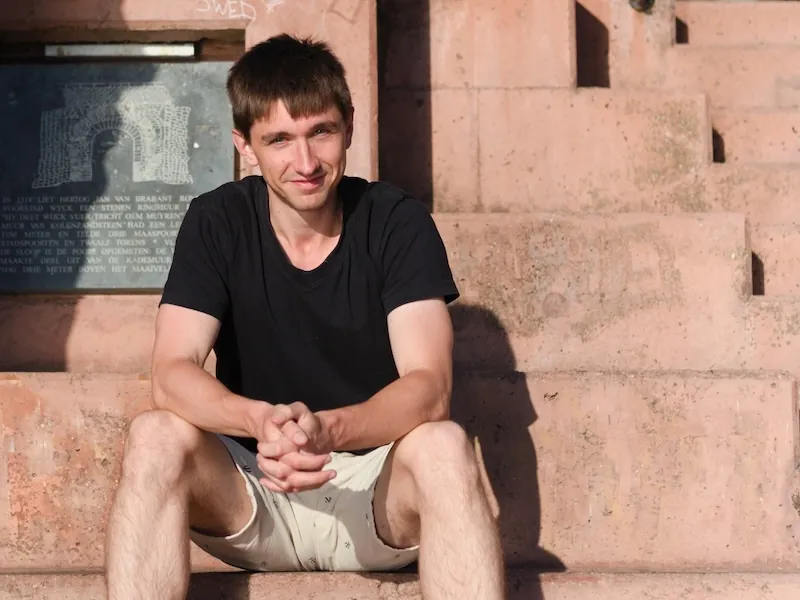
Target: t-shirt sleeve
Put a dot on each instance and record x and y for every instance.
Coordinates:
(413, 258)
(197, 277)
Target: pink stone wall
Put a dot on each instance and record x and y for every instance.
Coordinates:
(437, 56)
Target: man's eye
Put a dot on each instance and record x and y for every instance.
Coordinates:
(321, 131)
(278, 140)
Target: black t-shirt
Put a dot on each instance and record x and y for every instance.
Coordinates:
(319, 337)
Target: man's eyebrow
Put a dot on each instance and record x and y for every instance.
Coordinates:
(268, 137)
(326, 124)
(329, 124)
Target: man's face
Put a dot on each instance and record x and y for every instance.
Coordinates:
(302, 160)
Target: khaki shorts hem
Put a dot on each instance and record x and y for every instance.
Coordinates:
(412, 550)
(203, 537)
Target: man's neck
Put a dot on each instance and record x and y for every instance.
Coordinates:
(308, 236)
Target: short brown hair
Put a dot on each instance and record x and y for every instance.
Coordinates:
(303, 73)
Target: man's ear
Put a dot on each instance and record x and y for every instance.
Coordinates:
(244, 148)
(349, 131)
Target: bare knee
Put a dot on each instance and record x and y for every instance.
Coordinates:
(440, 458)
(159, 447)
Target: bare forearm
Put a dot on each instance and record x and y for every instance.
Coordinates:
(415, 398)
(185, 388)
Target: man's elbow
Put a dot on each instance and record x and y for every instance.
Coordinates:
(159, 397)
(441, 412)
(440, 407)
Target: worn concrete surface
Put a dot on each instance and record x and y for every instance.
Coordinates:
(539, 292)
(714, 23)
(480, 44)
(739, 77)
(548, 147)
(61, 439)
(759, 136)
(95, 333)
(638, 43)
(591, 292)
(767, 194)
(775, 326)
(642, 471)
(574, 463)
(79, 333)
(777, 248)
(342, 586)
(434, 58)
(443, 170)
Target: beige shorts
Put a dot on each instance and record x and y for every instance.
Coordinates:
(331, 528)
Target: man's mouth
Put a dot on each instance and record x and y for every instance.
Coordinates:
(311, 183)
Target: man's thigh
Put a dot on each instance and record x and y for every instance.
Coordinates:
(163, 450)
(396, 516)
(219, 501)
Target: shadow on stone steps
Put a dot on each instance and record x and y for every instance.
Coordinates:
(498, 422)
(219, 586)
(522, 584)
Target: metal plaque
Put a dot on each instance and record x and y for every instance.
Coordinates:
(98, 164)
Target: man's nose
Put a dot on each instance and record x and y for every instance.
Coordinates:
(306, 162)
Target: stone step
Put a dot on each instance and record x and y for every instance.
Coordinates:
(568, 291)
(522, 585)
(777, 252)
(599, 292)
(60, 444)
(93, 333)
(758, 136)
(774, 334)
(498, 149)
(767, 194)
(768, 337)
(703, 23)
(597, 471)
(592, 142)
(441, 44)
(648, 458)
(752, 77)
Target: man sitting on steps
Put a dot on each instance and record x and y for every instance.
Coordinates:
(324, 442)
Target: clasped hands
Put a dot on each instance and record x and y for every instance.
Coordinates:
(294, 445)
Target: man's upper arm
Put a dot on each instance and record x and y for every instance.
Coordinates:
(421, 335)
(182, 334)
(195, 297)
(418, 285)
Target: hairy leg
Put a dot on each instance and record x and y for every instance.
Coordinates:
(173, 474)
(430, 493)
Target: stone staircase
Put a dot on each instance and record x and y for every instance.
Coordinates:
(628, 336)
